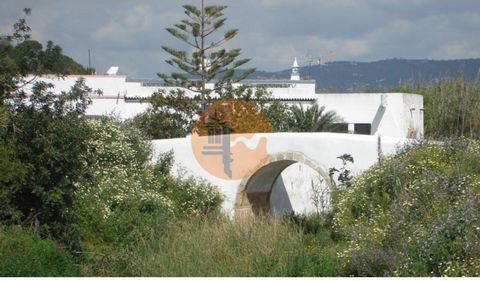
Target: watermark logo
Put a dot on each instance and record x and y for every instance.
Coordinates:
(225, 140)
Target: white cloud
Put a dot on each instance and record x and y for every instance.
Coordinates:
(122, 26)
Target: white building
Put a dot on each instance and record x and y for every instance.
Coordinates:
(388, 114)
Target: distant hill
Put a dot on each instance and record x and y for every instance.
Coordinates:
(381, 75)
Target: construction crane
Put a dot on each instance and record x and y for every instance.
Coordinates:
(331, 56)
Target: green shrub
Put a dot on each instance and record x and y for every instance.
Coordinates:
(126, 197)
(121, 192)
(171, 115)
(118, 169)
(415, 214)
(12, 170)
(191, 196)
(46, 136)
(23, 254)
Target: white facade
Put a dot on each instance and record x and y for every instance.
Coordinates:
(388, 114)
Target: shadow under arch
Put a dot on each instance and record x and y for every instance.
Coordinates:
(254, 190)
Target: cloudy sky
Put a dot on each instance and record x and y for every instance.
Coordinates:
(130, 33)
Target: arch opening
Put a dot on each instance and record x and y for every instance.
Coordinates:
(283, 186)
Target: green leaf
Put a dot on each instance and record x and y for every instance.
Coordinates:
(219, 23)
(230, 34)
(196, 30)
(190, 9)
(240, 62)
(177, 34)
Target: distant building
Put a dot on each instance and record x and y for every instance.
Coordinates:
(389, 114)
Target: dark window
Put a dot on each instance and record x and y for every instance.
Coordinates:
(340, 128)
(362, 129)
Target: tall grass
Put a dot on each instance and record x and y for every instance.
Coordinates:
(218, 246)
(452, 108)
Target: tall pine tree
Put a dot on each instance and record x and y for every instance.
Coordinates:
(208, 62)
(172, 114)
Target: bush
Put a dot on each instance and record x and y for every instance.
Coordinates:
(46, 137)
(415, 214)
(23, 254)
(120, 192)
(191, 196)
(12, 170)
(118, 169)
(121, 175)
(125, 197)
(171, 115)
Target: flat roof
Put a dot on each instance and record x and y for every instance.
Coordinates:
(246, 81)
(137, 98)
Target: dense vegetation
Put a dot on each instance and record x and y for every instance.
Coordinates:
(452, 108)
(414, 214)
(173, 116)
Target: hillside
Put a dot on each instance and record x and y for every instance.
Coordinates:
(381, 75)
(30, 56)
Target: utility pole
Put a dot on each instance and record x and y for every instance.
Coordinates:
(89, 62)
(309, 58)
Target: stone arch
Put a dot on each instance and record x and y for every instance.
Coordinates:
(262, 179)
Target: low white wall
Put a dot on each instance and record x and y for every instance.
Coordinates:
(321, 148)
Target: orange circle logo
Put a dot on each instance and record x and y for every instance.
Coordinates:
(224, 139)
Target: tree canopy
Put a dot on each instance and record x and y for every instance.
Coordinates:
(21, 56)
(208, 61)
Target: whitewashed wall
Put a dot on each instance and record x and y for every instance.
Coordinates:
(400, 116)
(391, 114)
(294, 190)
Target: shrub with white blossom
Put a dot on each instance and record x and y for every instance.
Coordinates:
(415, 214)
(118, 163)
(124, 190)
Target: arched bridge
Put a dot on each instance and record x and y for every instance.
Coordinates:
(289, 174)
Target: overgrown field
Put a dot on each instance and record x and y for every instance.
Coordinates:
(413, 214)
